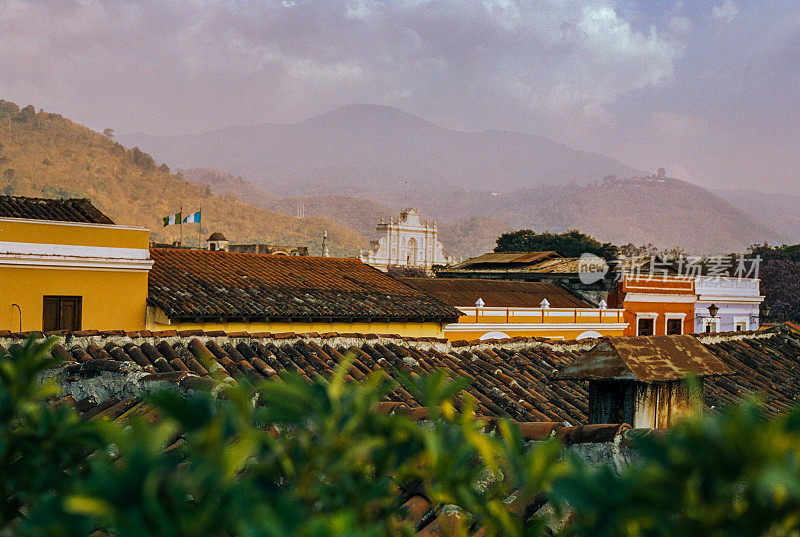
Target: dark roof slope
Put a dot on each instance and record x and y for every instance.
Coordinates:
(493, 259)
(646, 359)
(201, 284)
(764, 363)
(465, 292)
(509, 378)
(64, 210)
(506, 382)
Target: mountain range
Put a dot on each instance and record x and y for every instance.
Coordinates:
(359, 163)
(662, 211)
(362, 150)
(47, 155)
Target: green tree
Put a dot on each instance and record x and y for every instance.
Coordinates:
(573, 243)
(8, 109)
(26, 114)
(285, 457)
(733, 474)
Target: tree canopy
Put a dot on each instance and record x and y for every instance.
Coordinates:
(778, 270)
(573, 243)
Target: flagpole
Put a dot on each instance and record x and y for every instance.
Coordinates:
(200, 229)
(180, 226)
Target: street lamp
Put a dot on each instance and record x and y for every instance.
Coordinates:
(713, 309)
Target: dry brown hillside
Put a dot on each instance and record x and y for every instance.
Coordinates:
(43, 154)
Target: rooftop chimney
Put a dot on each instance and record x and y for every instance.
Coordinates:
(643, 381)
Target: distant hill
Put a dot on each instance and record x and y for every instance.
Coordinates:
(782, 210)
(665, 212)
(222, 182)
(43, 154)
(362, 150)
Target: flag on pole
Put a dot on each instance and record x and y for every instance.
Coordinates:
(172, 219)
(193, 218)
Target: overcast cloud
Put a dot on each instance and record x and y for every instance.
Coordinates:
(708, 90)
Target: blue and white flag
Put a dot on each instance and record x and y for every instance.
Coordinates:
(193, 218)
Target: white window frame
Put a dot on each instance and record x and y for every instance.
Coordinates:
(741, 319)
(670, 316)
(653, 316)
(711, 321)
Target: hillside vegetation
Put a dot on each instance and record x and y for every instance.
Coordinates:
(44, 154)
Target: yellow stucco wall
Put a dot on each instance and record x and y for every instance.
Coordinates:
(111, 300)
(113, 292)
(15, 230)
(552, 323)
(403, 329)
(567, 332)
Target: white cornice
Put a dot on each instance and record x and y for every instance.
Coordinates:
(72, 250)
(71, 256)
(657, 297)
(75, 263)
(728, 299)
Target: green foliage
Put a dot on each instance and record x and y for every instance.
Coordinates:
(296, 457)
(8, 109)
(285, 457)
(778, 269)
(28, 113)
(736, 474)
(573, 243)
(41, 448)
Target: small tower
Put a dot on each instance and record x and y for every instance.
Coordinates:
(642, 381)
(217, 241)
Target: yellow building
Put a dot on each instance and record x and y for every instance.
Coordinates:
(65, 266)
(496, 309)
(234, 292)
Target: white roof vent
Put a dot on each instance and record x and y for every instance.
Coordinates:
(603, 305)
(479, 303)
(544, 303)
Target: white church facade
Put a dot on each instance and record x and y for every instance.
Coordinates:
(406, 242)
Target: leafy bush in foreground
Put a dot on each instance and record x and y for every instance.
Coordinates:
(290, 457)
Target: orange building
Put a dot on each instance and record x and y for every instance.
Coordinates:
(655, 304)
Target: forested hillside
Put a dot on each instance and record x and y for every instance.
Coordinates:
(44, 154)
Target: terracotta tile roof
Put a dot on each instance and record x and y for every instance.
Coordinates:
(64, 210)
(646, 359)
(465, 292)
(508, 257)
(570, 265)
(510, 378)
(201, 284)
(506, 382)
(766, 363)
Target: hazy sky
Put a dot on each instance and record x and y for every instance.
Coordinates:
(711, 91)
